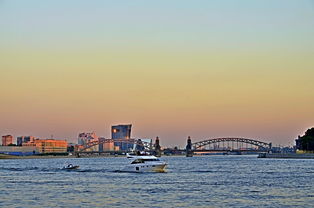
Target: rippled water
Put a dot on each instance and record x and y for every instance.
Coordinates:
(208, 181)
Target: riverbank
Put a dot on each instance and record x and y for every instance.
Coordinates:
(6, 156)
(286, 155)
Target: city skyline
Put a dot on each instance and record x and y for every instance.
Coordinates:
(171, 69)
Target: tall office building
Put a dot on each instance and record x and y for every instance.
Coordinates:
(122, 132)
(6, 140)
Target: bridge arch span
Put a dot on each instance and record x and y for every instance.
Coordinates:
(261, 144)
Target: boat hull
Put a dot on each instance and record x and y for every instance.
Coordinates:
(71, 168)
(139, 168)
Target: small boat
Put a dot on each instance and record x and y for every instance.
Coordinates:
(144, 163)
(70, 167)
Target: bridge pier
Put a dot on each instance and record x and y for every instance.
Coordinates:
(270, 147)
(189, 152)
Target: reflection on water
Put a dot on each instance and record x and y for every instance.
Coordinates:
(213, 181)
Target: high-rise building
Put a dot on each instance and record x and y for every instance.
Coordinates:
(24, 139)
(6, 140)
(122, 132)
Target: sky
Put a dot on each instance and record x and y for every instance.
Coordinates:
(173, 69)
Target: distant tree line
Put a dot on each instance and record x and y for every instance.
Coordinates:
(306, 142)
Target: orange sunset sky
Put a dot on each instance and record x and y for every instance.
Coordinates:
(171, 68)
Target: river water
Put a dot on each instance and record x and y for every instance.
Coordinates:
(204, 181)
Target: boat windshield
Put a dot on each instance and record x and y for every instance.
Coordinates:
(143, 160)
(151, 159)
(138, 161)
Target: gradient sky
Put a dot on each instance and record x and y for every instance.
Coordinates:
(171, 68)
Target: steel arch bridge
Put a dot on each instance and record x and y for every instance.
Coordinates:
(128, 141)
(260, 144)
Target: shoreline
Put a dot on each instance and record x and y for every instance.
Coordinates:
(5, 156)
(286, 156)
(14, 157)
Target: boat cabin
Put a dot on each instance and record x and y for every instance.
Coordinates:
(140, 160)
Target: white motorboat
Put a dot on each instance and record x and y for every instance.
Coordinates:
(144, 163)
(70, 167)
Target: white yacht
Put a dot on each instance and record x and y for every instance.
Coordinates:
(144, 163)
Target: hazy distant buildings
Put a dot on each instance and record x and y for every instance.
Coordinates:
(101, 144)
(86, 138)
(106, 145)
(121, 132)
(24, 139)
(48, 145)
(51, 145)
(6, 140)
(28, 145)
(18, 150)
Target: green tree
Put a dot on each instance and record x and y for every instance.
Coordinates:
(306, 142)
